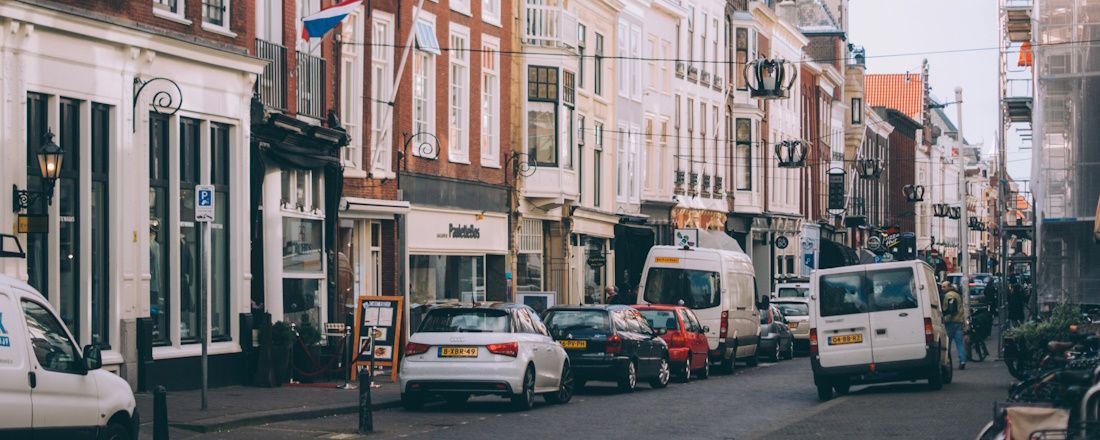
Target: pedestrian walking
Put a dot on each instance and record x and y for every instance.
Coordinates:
(954, 319)
(609, 295)
(1016, 302)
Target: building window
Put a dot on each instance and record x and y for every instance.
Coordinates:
(621, 173)
(424, 86)
(660, 167)
(68, 203)
(169, 8)
(269, 20)
(529, 261)
(666, 77)
(542, 114)
(582, 41)
(490, 11)
(458, 138)
(490, 102)
(597, 70)
(381, 90)
(220, 166)
(461, 6)
(594, 278)
(216, 13)
(443, 278)
(650, 157)
(636, 63)
(742, 56)
(634, 164)
(189, 254)
(691, 35)
(653, 80)
(351, 89)
(743, 167)
(597, 164)
(857, 110)
(101, 231)
(622, 61)
(159, 272)
(580, 158)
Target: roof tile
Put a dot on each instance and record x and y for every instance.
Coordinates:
(893, 91)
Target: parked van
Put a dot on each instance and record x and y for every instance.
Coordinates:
(719, 285)
(876, 323)
(49, 389)
(792, 290)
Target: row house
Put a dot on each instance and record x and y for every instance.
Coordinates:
(165, 86)
(870, 197)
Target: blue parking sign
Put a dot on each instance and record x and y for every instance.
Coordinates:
(204, 203)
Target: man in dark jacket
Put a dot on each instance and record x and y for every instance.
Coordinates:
(1016, 303)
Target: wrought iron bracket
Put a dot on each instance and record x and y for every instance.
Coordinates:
(23, 199)
(161, 99)
(520, 164)
(425, 149)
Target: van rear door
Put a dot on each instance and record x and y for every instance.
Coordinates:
(843, 321)
(15, 388)
(897, 323)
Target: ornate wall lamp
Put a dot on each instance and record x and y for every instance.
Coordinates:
(939, 210)
(49, 162)
(954, 212)
(791, 154)
(773, 79)
(913, 193)
(869, 168)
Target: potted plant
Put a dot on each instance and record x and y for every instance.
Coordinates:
(307, 359)
(282, 336)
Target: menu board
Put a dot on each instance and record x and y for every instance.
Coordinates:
(378, 332)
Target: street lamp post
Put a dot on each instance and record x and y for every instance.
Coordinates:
(964, 232)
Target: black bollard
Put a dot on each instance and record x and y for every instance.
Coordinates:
(160, 413)
(366, 416)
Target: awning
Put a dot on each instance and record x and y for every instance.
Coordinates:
(425, 38)
(834, 254)
(359, 207)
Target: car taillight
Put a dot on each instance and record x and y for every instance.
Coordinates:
(724, 327)
(614, 344)
(928, 330)
(416, 348)
(813, 341)
(507, 349)
(678, 340)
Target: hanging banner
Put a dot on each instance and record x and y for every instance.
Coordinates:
(378, 332)
(836, 191)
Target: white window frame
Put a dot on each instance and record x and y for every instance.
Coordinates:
(490, 101)
(636, 64)
(458, 95)
(381, 89)
(635, 164)
(490, 12)
(351, 90)
(461, 7)
(426, 94)
(665, 82)
(621, 62)
(269, 21)
(652, 80)
(620, 164)
(650, 168)
(224, 28)
(176, 16)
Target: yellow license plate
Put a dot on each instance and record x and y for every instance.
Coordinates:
(573, 344)
(846, 339)
(458, 352)
(792, 324)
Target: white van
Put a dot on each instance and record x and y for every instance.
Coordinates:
(719, 285)
(49, 389)
(876, 323)
(792, 290)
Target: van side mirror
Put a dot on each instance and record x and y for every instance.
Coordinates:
(660, 331)
(93, 359)
(706, 329)
(764, 302)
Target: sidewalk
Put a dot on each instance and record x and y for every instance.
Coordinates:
(239, 406)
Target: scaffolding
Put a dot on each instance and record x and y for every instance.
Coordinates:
(1064, 36)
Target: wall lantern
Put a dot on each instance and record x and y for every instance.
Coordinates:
(791, 154)
(913, 193)
(954, 212)
(49, 162)
(869, 168)
(772, 78)
(939, 210)
(976, 224)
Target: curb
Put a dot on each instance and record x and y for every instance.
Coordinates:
(279, 415)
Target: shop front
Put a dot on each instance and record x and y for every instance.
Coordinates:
(592, 257)
(456, 256)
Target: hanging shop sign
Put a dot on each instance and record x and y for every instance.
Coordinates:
(781, 242)
(597, 260)
(686, 238)
(33, 224)
(836, 191)
(378, 332)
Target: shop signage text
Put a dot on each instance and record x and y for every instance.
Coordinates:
(667, 260)
(781, 242)
(33, 224)
(597, 260)
(461, 231)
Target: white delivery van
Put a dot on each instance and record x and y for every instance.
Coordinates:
(49, 389)
(719, 285)
(792, 290)
(876, 323)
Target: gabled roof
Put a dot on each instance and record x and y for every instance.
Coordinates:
(893, 91)
(1021, 203)
(815, 18)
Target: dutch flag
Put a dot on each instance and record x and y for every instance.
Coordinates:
(317, 25)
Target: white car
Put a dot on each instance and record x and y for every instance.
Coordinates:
(797, 312)
(484, 349)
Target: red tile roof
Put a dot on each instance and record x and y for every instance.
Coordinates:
(892, 91)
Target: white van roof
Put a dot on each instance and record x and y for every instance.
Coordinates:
(8, 280)
(874, 266)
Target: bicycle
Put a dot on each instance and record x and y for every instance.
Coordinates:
(975, 347)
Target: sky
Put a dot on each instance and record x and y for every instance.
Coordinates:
(889, 28)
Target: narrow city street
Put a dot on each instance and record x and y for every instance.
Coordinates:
(770, 401)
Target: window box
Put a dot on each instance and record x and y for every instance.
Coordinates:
(693, 183)
(680, 67)
(678, 186)
(718, 83)
(693, 73)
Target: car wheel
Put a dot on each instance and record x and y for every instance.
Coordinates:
(842, 388)
(412, 401)
(706, 370)
(565, 387)
(790, 349)
(824, 392)
(115, 431)
(628, 382)
(935, 378)
(774, 357)
(526, 398)
(663, 373)
(456, 399)
(753, 361)
(685, 375)
(948, 371)
(728, 365)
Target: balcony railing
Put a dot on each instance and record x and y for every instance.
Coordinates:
(693, 183)
(272, 83)
(680, 67)
(705, 78)
(679, 182)
(693, 73)
(311, 85)
(548, 24)
(718, 83)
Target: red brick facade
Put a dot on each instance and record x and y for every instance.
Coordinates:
(810, 203)
(242, 18)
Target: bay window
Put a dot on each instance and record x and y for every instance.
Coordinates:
(743, 165)
(542, 114)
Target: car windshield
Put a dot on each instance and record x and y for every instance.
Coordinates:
(697, 289)
(793, 292)
(579, 322)
(659, 319)
(983, 278)
(466, 320)
(793, 309)
(871, 291)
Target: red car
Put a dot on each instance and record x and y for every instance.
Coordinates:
(686, 338)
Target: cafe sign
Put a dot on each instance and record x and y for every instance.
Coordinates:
(597, 260)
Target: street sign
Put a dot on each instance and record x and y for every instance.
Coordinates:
(878, 259)
(34, 224)
(204, 203)
(836, 191)
(808, 260)
(781, 242)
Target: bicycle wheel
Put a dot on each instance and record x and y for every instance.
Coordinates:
(979, 350)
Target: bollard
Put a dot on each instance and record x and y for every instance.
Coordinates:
(366, 417)
(160, 413)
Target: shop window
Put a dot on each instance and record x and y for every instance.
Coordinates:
(220, 165)
(159, 272)
(68, 182)
(447, 278)
(594, 278)
(529, 261)
(302, 251)
(190, 252)
(302, 300)
(302, 191)
(100, 211)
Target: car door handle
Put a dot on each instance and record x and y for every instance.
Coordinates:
(903, 314)
(880, 331)
(33, 379)
(742, 308)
